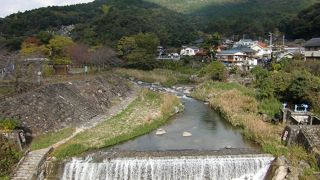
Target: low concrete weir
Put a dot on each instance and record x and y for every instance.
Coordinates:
(158, 167)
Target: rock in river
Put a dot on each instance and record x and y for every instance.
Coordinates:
(160, 132)
(186, 134)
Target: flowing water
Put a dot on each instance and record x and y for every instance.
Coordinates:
(209, 132)
(170, 168)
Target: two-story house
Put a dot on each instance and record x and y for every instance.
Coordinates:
(312, 49)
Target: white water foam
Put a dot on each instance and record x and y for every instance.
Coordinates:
(249, 167)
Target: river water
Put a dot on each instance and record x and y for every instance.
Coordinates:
(208, 132)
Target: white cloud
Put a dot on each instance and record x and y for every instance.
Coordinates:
(8, 7)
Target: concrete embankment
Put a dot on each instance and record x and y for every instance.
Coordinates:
(52, 107)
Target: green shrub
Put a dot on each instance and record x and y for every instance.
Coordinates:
(9, 157)
(47, 71)
(270, 106)
(215, 70)
(8, 124)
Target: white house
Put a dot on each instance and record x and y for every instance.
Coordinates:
(285, 55)
(189, 51)
(312, 49)
(262, 50)
(244, 42)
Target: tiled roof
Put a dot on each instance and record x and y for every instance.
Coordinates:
(314, 42)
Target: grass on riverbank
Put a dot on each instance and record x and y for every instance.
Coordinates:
(6, 90)
(238, 105)
(149, 111)
(163, 76)
(46, 140)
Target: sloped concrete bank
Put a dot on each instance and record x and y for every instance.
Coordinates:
(55, 106)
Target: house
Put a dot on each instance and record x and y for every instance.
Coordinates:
(284, 55)
(232, 57)
(242, 56)
(244, 42)
(294, 50)
(262, 50)
(189, 50)
(247, 50)
(198, 42)
(312, 49)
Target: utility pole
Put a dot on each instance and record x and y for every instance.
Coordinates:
(283, 41)
(271, 36)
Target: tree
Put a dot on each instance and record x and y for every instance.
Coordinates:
(60, 49)
(80, 54)
(138, 48)
(216, 71)
(105, 57)
(126, 45)
(263, 83)
(44, 36)
(33, 47)
(147, 41)
(60, 46)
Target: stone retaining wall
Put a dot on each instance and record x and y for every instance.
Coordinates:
(306, 136)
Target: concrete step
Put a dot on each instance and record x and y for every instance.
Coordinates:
(29, 166)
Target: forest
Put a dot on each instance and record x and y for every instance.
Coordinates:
(174, 23)
(100, 22)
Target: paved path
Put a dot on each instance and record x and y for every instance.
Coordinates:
(30, 166)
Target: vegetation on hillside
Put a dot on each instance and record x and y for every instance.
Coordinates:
(305, 25)
(100, 22)
(107, 21)
(237, 17)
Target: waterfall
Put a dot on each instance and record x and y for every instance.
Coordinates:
(170, 168)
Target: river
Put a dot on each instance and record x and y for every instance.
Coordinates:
(152, 156)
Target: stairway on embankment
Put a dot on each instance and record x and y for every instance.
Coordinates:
(31, 165)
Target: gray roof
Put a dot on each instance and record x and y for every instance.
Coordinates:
(245, 49)
(246, 40)
(230, 51)
(198, 41)
(192, 47)
(314, 42)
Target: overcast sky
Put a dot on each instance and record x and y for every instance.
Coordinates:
(8, 7)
